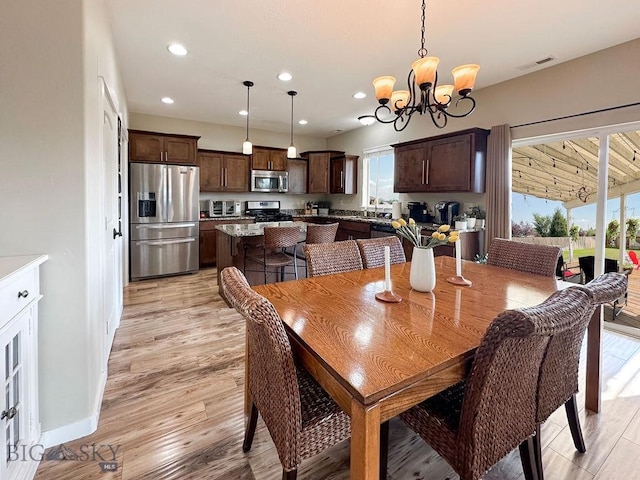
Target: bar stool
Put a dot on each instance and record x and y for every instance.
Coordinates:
(276, 239)
(317, 233)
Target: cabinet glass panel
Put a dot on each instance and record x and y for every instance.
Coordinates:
(12, 391)
(16, 350)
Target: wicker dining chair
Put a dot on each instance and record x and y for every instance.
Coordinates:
(372, 251)
(317, 233)
(272, 254)
(558, 383)
(525, 257)
(475, 423)
(301, 418)
(336, 257)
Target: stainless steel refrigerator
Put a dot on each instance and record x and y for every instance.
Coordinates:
(164, 213)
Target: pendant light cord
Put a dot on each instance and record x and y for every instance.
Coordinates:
(292, 93)
(248, 84)
(248, 87)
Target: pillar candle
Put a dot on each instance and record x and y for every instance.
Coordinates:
(458, 259)
(387, 269)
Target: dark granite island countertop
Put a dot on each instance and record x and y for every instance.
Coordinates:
(256, 229)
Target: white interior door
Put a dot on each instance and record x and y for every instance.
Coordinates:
(112, 247)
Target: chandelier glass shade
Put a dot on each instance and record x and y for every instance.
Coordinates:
(291, 151)
(247, 146)
(423, 94)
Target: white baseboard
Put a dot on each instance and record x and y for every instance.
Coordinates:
(78, 429)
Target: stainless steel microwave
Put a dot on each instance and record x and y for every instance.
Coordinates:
(269, 181)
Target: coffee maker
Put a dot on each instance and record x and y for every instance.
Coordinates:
(445, 211)
(419, 211)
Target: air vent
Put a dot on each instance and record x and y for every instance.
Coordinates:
(537, 63)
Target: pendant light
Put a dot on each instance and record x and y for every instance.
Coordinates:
(247, 146)
(291, 152)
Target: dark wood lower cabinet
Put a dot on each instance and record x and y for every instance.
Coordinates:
(353, 230)
(208, 239)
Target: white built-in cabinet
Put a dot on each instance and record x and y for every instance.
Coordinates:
(20, 433)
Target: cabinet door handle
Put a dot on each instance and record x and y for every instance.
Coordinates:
(426, 180)
(23, 294)
(341, 179)
(162, 156)
(423, 172)
(225, 177)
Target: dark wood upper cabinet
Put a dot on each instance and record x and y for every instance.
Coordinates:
(298, 174)
(319, 172)
(319, 165)
(223, 171)
(344, 174)
(267, 158)
(155, 147)
(446, 163)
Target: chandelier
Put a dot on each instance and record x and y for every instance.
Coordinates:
(424, 95)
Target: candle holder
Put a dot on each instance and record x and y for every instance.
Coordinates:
(458, 279)
(387, 295)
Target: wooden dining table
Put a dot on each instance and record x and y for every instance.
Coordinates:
(378, 359)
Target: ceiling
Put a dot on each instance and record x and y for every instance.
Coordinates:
(567, 171)
(334, 48)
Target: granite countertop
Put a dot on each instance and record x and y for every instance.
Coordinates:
(227, 218)
(256, 229)
(379, 221)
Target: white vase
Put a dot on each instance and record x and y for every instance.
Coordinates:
(423, 270)
(461, 224)
(480, 223)
(471, 222)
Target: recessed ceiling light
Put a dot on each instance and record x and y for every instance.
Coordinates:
(244, 113)
(177, 49)
(167, 100)
(302, 122)
(285, 76)
(367, 119)
(359, 95)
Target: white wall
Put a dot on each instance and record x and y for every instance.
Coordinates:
(50, 54)
(600, 80)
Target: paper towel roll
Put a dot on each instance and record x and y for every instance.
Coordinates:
(396, 210)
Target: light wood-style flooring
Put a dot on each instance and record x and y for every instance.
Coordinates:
(173, 406)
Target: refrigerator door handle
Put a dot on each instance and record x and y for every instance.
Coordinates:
(165, 225)
(160, 243)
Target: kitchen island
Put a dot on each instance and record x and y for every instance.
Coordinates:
(233, 239)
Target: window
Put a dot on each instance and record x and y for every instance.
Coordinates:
(378, 177)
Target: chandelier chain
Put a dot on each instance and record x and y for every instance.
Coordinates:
(423, 51)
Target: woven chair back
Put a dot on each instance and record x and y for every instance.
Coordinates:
(280, 237)
(336, 257)
(372, 251)
(525, 257)
(273, 384)
(559, 370)
(500, 404)
(321, 233)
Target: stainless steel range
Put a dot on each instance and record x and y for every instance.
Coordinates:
(267, 211)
